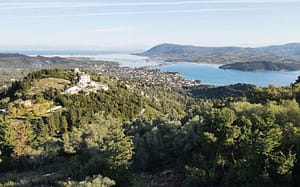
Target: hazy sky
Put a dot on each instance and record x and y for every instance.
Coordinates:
(139, 24)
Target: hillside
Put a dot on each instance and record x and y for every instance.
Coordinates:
(138, 134)
(225, 55)
(262, 66)
(15, 66)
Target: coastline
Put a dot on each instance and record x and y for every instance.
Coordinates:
(209, 74)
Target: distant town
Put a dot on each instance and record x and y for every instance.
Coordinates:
(146, 75)
(10, 72)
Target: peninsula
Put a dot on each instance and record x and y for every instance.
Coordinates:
(280, 57)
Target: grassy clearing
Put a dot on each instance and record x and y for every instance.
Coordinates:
(46, 83)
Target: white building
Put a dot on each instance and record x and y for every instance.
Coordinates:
(84, 80)
(72, 90)
(103, 86)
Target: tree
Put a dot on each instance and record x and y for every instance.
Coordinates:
(63, 124)
(23, 139)
(8, 135)
(297, 81)
(97, 180)
(118, 150)
(260, 160)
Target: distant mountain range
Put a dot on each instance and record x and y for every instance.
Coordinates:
(288, 53)
(16, 60)
(22, 61)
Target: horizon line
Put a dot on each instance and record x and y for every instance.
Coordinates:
(65, 49)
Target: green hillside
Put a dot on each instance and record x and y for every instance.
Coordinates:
(137, 134)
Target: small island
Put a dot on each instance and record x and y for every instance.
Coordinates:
(262, 66)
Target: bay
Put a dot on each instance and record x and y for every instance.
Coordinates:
(207, 73)
(211, 74)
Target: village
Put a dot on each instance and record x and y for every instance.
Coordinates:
(147, 75)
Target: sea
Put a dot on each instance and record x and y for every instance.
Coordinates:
(209, 74)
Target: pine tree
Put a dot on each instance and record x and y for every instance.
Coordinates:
(118, 150)
(23, 139)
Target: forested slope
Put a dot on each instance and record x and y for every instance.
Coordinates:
(139, 134)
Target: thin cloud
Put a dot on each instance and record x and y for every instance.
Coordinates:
(211, 10)
(145, 12)
(9, 6)
(109, 29)
(86, 15)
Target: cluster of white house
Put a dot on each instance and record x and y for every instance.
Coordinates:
(84, 82)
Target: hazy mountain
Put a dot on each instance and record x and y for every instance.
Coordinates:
(15, 66)
(225, 55)
(23, 61)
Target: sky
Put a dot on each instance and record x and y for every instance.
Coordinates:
(140, 24)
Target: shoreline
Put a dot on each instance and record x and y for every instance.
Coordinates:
(216, 76)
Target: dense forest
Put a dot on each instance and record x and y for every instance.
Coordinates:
(138, 134)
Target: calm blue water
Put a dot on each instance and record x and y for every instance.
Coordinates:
(211, 74)
(207, 73)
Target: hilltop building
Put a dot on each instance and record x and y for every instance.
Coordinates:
(83, 83)
(72, 90)
(84, 80)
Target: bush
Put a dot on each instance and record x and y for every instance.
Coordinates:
(96, 180)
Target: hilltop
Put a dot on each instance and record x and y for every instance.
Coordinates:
(288, 53)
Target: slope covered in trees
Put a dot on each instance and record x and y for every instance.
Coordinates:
(262, 66)
(84, 138)
(144, 135)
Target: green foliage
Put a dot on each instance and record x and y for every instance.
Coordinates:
(154, 143)
(134, 128)
(18, 89)
(221, 92)
(243, 144)
(118, 152)
(97, 180)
